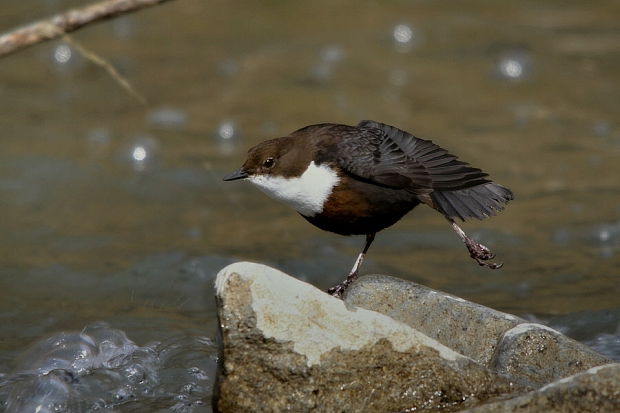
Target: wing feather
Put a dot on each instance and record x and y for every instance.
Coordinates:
(388, 156)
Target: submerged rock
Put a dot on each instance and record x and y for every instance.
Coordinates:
(288, 346)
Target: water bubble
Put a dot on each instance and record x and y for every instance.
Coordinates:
(138, 155)
(227, 135)
(511, 68)
(135, 373)
(123, 394)
(402, 33)
(64, 59)
(197, 373)
(404, 37)
(514, 65)
(141, 152)
(62, 54)
(226, 130)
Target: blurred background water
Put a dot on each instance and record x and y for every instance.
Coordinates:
(114, 219)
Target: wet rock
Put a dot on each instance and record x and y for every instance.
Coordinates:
(541, 354)
(531, 354)
(595, 390)
(468, 328)
(287, 346)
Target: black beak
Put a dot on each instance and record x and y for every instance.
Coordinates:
(239, 174)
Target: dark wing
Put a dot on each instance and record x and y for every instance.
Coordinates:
(368, 154)
(391, 157)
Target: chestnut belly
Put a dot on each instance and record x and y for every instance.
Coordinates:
(361, 208)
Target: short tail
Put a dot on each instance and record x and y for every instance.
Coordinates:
(480, 201)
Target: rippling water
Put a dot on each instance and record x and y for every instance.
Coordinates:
(100, 368)
(115, 219)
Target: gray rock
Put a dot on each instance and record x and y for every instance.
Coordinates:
(468, 328)
(540, 354)
(531, 354)
(287, 346)
(595, 390)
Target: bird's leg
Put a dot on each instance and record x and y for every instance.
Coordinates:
(339, 289)
(477, 251)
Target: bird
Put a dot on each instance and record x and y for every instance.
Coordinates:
(359, 180)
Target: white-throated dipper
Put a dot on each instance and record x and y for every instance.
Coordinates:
(358, 180)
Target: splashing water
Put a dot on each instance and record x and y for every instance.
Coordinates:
(101, 368)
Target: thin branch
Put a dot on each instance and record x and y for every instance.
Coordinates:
(100, 61)
(67, 22)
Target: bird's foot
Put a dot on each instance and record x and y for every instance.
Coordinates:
(339, 289)
(481, 254)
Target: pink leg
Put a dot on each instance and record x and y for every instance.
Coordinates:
(477, 251)
(338, 290)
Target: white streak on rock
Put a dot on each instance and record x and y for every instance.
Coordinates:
(593, 370)
(290, 310)
(525, 327)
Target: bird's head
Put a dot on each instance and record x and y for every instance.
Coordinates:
(274, 157)
(284, 169)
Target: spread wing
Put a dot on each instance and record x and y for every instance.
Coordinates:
(388, 156)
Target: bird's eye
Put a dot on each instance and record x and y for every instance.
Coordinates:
(269, 162)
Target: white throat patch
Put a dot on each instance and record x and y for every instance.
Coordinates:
(306, 193)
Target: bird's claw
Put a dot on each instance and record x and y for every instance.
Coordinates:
(339, 289)
(336, 290)
(481, 254)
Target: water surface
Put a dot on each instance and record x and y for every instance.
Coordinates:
(115, 212)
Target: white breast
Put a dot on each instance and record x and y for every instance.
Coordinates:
(306, 193)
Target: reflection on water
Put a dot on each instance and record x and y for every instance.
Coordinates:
(116, 211)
